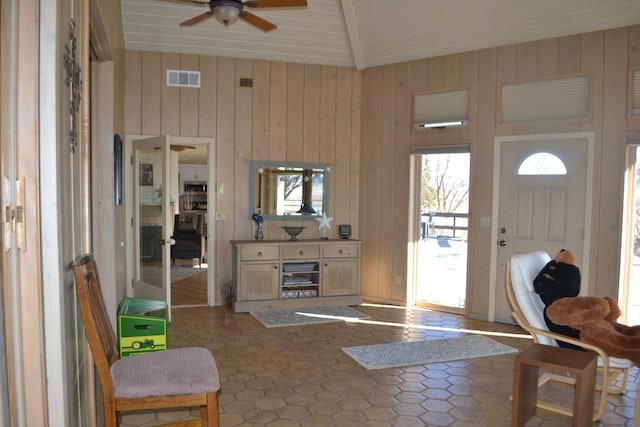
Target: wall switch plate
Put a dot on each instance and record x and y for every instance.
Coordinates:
(220, 215)
(220, 187)
(485, 221)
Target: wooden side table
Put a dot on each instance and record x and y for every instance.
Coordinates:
(581, 364)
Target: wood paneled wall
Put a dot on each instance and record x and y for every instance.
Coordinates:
(294, 112)
(606, 56)
(360, 123)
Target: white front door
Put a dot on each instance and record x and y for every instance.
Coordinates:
(542, 202)
(152, 218)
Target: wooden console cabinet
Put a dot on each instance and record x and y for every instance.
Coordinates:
(277, 274)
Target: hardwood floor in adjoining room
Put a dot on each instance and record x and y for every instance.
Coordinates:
(190, 291)
(299, 375)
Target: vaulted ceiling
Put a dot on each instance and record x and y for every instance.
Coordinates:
(368, 33)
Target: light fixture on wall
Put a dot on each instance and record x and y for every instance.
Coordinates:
(440, 125)
(227, 12)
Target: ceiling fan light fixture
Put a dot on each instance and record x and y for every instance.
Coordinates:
(227, 12)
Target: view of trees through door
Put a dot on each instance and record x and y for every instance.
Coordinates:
(441, 261)
(630, 260)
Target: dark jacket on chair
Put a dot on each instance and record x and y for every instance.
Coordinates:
(189, 236)
(558, 280)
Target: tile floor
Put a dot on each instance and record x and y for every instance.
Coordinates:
(299, 376)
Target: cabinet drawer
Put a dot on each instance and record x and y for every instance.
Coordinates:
(296, 251)
(340, 250)
(259, 252)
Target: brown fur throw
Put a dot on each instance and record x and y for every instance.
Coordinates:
(595, 318)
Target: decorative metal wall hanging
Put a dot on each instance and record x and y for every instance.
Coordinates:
(73, 81)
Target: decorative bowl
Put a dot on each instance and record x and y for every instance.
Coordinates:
(293, 231)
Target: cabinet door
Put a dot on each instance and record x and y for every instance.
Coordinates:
(259, 282)
(340, 278)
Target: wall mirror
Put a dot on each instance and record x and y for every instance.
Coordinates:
(288, 190)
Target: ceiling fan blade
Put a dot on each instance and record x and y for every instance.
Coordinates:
(263, 4)
(196, 19)
(257, 22)
(173, 147)
(181, 147)
(200, 2)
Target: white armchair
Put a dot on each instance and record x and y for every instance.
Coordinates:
(528, 311)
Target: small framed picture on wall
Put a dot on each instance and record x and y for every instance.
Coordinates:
(146, 174)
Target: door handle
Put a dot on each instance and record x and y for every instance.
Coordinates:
(162, 242)
(502, 243)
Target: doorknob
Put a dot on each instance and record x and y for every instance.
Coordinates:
(502, 243)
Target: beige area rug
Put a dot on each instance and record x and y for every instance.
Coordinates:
(180, 272)
(394, 355)
(306, 316)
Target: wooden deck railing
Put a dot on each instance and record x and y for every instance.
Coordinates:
(449, 224)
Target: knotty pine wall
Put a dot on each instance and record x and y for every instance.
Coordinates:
(361, 124)
(607, 56)
(294, 112)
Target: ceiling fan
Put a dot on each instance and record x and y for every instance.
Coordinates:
(228, 12)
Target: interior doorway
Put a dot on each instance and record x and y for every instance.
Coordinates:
(440, 272)
(169, 206)
(190, 260)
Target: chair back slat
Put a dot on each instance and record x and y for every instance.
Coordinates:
(95, 318)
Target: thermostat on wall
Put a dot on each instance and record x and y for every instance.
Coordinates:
(344, 231)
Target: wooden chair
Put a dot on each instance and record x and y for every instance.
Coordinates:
(528, 311)
(176, 378)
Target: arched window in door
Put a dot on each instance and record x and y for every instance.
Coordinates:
(542, 163)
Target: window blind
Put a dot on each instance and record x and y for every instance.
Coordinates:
(545, 100)
(442, 149)
(440, 107)
(635, 108)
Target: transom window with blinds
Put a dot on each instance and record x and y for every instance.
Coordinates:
(635, 93)
(440, 110)
(545, 100)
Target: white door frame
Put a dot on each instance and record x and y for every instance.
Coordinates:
(632, 142)
(211, 207)
(498, 141)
